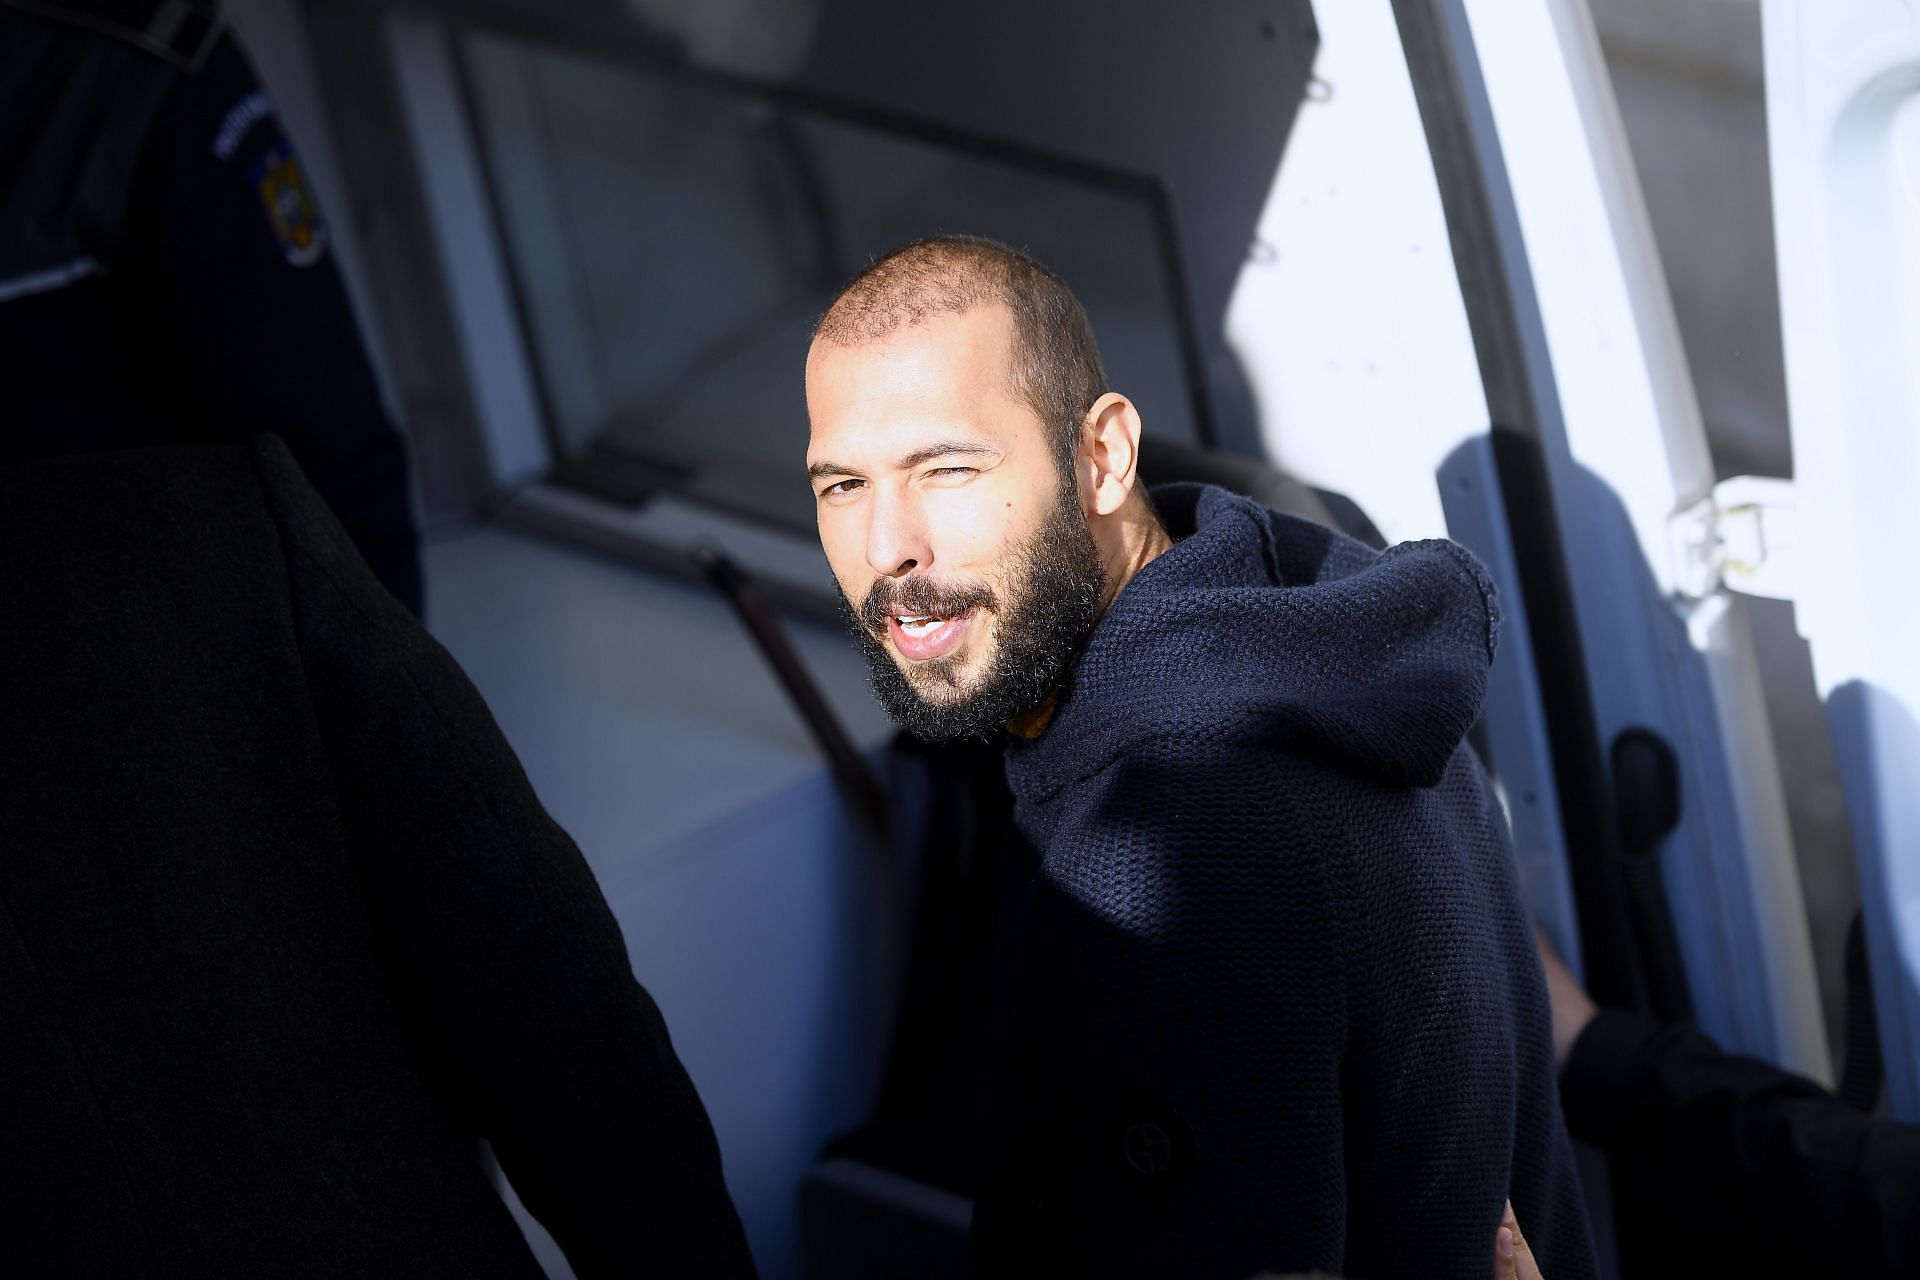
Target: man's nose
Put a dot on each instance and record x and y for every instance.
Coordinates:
(896, 537)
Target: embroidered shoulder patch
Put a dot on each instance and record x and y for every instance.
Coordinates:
(243, 115)
(290, 207)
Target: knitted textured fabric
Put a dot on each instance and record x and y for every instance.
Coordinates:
(1272, 1003)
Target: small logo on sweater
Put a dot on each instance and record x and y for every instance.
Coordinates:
(1149, 1149)
(1146, 1146)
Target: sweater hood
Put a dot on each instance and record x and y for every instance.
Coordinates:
(1257, 625)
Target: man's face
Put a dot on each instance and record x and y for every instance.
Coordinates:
(961, 550)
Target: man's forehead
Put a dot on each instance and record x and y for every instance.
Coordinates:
(976, 341)
(949, 369)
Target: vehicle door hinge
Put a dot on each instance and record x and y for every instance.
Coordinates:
(1740, 537)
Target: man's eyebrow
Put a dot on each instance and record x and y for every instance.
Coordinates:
(945, 448)
(939, 449)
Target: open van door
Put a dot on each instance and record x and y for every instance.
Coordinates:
(1487, 337)
(1843, 120)
(1585, 357)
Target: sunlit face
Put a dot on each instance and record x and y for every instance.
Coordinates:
(959, 544)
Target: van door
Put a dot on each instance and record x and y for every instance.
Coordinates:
(1843, 122)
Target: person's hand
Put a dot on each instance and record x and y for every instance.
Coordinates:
(1573, 1009)
(1512, 1259)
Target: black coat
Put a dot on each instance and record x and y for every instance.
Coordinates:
(1724, 1165)
(1273, 1004)
(283, 927)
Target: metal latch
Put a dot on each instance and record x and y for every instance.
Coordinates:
(1741, 537)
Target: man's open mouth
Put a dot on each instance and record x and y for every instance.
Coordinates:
(922, 636)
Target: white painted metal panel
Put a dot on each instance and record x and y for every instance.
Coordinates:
(1625, 453)
(1349, 324)
(1843, 110)
(504, 395)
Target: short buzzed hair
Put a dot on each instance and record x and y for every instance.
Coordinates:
(1054, 362)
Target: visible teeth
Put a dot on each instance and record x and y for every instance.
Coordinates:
(919, 626)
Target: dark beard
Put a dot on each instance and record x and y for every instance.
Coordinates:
(1058, 577)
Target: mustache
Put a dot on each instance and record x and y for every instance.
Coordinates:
(888, 596)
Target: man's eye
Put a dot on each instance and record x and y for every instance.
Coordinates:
(840, 487)
(953, 472)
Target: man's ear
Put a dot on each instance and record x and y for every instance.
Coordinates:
(1109, 453)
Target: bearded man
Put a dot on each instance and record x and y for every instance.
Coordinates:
(1270, 1002)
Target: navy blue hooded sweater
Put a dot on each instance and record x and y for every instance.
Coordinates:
(1272, 1003)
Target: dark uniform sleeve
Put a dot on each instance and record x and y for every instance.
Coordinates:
(1736, 1167)
(510, 965)
(251, 327)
